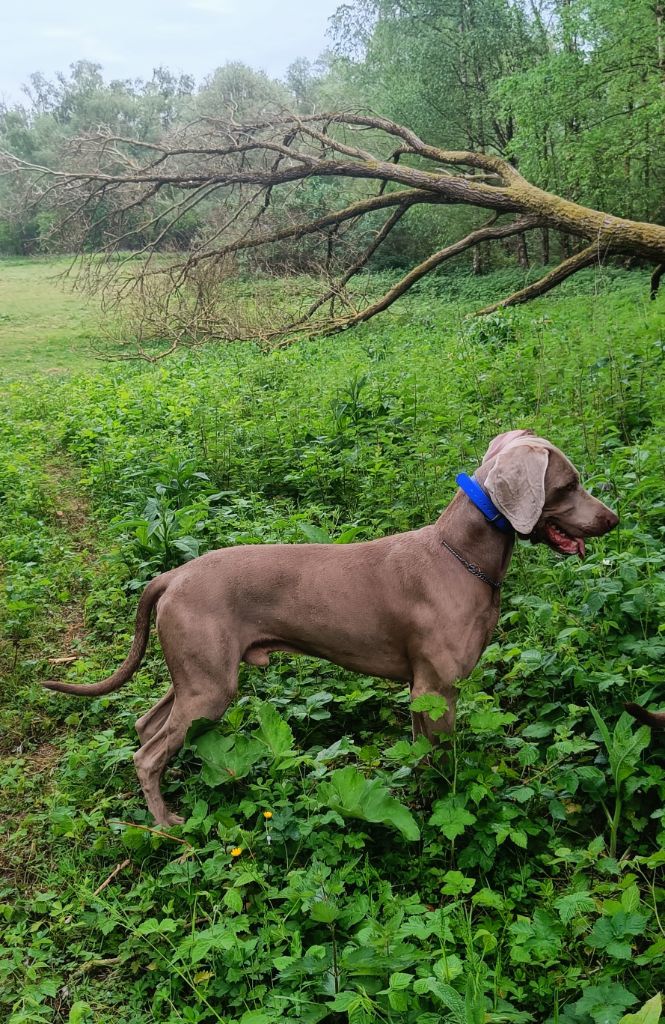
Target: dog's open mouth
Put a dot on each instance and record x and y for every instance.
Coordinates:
(562, 542)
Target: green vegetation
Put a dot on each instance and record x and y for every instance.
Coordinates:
(338, 874)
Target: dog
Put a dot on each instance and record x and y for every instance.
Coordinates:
(654, 719)
(418, 607)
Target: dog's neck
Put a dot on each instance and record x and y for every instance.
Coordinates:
(466, 529)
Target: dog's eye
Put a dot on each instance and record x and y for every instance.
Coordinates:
(572, 486)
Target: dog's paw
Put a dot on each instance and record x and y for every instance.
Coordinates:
(169, 818)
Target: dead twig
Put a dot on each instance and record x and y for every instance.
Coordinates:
(154, 831)
(116, 871)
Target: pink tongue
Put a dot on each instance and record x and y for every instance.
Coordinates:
(565, 544)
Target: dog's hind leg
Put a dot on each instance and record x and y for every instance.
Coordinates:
(205, 681)
(152, 758)
(154, 719)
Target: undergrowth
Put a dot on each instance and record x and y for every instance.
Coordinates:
(329, 869)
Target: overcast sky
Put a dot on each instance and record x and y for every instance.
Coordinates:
(130, 37)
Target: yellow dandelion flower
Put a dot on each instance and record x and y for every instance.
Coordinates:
(267, 815)
(236, 851)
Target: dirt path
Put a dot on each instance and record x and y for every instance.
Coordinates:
(32, 731)
(72, 515)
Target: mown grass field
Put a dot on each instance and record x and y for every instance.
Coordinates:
(517, 875)
(44, 325)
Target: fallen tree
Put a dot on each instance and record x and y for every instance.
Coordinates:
(123, 194)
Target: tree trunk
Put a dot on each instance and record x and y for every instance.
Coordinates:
(522, 252)
(659, 10)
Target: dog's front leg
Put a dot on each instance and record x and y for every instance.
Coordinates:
(438, 681)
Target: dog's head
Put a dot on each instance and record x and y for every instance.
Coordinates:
(539, 492)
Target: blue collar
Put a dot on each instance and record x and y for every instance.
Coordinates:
(482, 501)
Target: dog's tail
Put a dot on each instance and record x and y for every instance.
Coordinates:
(656, 719)
(124, 672)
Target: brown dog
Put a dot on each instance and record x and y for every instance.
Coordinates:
(654, 719)
(418, 607)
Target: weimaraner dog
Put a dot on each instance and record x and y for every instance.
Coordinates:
(654, 719)
(418, 607)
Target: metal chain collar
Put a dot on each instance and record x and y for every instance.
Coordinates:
(470, 567)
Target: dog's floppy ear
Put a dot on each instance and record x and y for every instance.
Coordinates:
(501, 440)
(516, 484)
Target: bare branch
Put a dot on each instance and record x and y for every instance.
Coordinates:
(585, 258)
(358, 265)
(295, 231)
(435, 260)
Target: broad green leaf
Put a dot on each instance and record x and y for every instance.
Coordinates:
(537, 730)
(612, 934)
(455, 883)
(348, 535)
(188, 546)
(315, 534)
(324, 912)
(353, 796)
(449, 996)
(151, 926)
(226, 758)
(630, 898)
(488, 898)
(432, 704)
(604, 1002)
(452, 816)
(408, 752)
(648, 1014)
(233, 900)
(258, 1017)
(573, 904)
(274, 731)
(398, 1000)
(222, 936)
(366, 962)
(80, 1012)
(490, 719)
(518, 837)
(399, 980)
(316, 961)
(347, 1002)
(448, 968)
(537, 940)
(520, 794)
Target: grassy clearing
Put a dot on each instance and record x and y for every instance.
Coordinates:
(44, 325)
(519, 875)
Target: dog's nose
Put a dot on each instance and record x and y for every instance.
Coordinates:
(611, 520)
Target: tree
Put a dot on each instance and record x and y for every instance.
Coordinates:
(589, 113)
(241, 92)
(245, 168)
(59, 109)
(435, 65)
